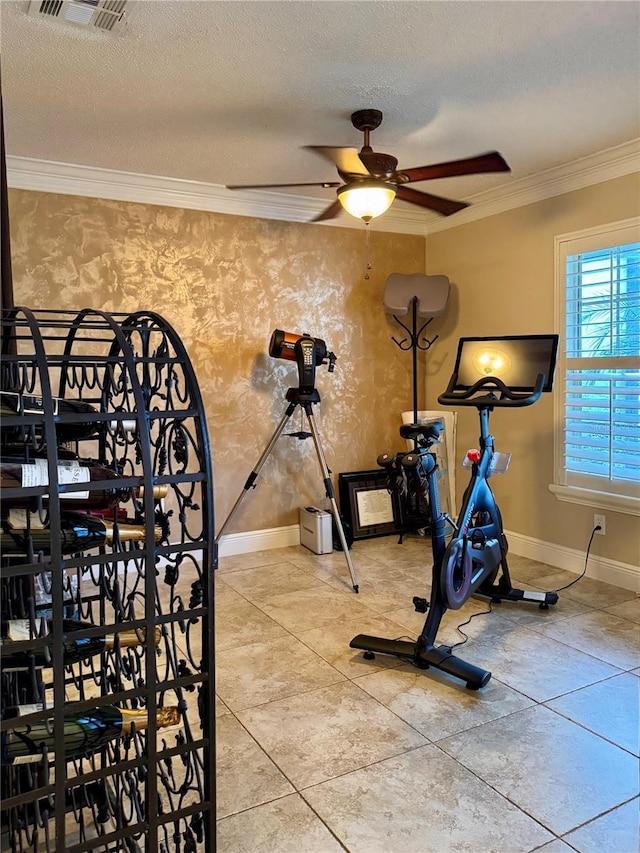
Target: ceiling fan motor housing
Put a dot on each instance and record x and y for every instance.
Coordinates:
(366, 119)
(378, 164)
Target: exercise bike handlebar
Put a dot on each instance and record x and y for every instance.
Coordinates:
(491, 385)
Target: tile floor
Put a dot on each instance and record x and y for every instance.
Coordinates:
(320, 750)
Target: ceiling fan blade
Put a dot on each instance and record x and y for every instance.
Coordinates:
(329, 212)
(490, 162)
(346, 159)
(325, 184)
(444, 206)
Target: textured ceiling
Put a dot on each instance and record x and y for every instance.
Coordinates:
(230, 92)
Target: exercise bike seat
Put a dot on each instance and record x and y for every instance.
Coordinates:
(424, 434)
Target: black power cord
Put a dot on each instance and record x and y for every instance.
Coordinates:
(586, 560)
(458, 629)
(490, 610)
(462, 624)
(486, 612)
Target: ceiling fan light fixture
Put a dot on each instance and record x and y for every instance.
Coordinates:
(369, 180)
(366, 199)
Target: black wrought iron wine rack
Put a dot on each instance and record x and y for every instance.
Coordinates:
(107, 663)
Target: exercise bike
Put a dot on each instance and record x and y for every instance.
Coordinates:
(489, 373)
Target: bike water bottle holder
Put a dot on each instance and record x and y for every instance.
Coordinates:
(499, 462)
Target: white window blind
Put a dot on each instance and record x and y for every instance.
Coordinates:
(599, 429)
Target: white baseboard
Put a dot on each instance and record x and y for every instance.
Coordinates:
(599, 568)
(259, 540)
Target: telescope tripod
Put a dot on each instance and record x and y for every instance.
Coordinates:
(305, 399)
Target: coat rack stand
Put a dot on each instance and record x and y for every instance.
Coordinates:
(425, 296)
(422, 296)
(414, 344)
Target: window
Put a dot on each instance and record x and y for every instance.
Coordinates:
(598, 376)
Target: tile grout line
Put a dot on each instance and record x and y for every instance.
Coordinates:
(352, 679)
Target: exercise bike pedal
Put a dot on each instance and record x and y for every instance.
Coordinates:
(421, 605)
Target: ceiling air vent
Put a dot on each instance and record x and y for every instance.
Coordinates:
(106, 15)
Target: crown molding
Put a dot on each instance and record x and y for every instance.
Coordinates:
(25, 173)
(69, 179)
(602, 166)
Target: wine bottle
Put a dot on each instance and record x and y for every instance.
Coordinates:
(158, 491)
(74, 649)
(20, 474)
(42, 593)
(78, 532)
(84, 732)
(12, 403)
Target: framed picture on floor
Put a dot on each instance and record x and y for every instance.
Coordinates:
(366, 505)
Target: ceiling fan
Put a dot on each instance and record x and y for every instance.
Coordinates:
(370, 180)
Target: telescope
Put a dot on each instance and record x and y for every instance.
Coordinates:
(306, 351)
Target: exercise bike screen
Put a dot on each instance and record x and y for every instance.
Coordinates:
(515, 360)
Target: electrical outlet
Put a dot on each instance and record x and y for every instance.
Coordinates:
(599, 520)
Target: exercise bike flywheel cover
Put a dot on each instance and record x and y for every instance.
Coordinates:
(456, 573)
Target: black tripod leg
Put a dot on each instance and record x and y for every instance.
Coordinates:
(330, 494)
(253, 476)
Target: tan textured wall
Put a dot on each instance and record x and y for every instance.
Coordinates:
(502, 272)
(225, 283)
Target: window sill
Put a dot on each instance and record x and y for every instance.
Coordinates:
(599, 500)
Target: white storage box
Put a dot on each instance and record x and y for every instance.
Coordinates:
(316, 532)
